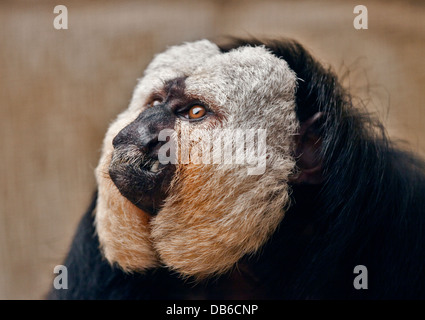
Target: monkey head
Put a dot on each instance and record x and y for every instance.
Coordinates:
(198, 218)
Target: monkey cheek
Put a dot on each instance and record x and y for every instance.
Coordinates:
(146, 190)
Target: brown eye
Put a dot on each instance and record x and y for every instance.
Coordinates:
(155, 103)
(196, 112)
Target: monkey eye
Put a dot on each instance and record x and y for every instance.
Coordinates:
(195, 112)
(155, 103)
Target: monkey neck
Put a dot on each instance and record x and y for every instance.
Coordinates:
(253, 277)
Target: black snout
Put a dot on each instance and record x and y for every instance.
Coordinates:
(143, 132)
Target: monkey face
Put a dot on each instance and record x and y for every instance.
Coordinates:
(197, 217)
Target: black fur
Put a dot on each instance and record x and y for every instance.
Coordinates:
(90, 276)
(371, 208)
(368, 211)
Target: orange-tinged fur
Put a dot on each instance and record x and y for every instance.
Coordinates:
(213, 214)
(206, 226)
(123, 230)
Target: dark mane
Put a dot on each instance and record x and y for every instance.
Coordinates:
(366, 208)
(374, 191)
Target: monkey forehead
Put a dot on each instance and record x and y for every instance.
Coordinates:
(182, 59)
(244, 77)
(176, 62)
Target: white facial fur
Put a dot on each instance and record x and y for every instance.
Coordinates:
(213, 215)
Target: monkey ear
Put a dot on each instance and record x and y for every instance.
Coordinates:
(308, 149)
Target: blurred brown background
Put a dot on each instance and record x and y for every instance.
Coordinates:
(59, 89)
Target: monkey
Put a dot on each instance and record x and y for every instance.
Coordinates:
(333, 192)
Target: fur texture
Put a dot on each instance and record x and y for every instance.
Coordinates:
(123, 229)
(201, 230)
(367, 208)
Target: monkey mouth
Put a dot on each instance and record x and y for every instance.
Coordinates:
(142, 179)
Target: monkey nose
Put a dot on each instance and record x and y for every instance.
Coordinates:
(143, 132)
(136, 134)
(142, 139)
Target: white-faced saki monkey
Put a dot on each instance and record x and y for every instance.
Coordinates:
(245, 171)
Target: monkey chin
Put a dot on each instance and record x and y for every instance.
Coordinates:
(208, 217)
(142, 179)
